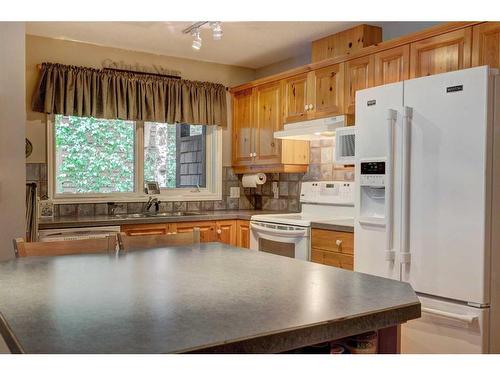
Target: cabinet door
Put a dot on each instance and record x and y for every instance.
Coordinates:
(295, 98)
(144, 229)
(243, 234)
(226, 232)
(441, 54)
(268, 120)
(207, 229)
(358, 76)
(329, 91)
(486, 44)
(243, 124)
(392, 65)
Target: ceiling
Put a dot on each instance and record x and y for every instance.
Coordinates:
(247, 44)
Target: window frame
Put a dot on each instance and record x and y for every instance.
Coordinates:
(212, 191)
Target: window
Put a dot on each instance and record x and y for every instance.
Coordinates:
(175, 156)
(98, 160)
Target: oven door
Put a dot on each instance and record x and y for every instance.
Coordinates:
(280, 239)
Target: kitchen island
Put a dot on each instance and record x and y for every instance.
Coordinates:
(211, 299)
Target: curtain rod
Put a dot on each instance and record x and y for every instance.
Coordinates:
(39, 67)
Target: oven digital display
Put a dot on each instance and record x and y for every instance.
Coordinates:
(373, 167)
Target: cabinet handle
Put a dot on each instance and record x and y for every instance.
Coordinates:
(306, 107)
(339, 244)
(219, 231)
(311, 107)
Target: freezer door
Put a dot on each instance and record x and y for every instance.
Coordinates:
(376, 218)
(446, 328)
(448, 186)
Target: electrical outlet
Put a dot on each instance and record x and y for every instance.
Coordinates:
(234, 192)
(276, 190)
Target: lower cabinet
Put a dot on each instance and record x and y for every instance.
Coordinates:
(333, 248)
(243, 234)
(224, 231)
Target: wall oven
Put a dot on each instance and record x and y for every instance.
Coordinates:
(280, 239)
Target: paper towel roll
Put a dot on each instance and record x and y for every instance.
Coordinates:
(252, 180)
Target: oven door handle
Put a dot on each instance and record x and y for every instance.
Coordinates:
(283, 233)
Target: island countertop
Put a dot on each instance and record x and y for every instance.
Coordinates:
(216, 298)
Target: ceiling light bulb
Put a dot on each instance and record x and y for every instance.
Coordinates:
(216, 30)
(197, 40)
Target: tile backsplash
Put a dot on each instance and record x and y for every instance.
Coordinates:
(321, 167)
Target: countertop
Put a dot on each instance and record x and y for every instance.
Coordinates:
(216, 298)
(105, 220)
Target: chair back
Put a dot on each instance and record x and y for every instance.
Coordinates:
(52, 248)
(126, 243)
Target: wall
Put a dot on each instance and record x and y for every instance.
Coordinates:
(40, 49)
(12, 135)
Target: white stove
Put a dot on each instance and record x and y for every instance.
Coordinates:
(289, 234)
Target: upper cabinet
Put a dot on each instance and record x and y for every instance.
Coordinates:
(328, 91)
(243, 113)
(267, 121)
(486, 44)
(358, 76)
(392, 65)
(296, 97)
(257, 114)
(442, 53)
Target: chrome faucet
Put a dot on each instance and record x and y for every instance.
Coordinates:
(151, 201)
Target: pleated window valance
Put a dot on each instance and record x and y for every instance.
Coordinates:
(86, 92)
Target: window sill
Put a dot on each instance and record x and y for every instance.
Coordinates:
(164, 197)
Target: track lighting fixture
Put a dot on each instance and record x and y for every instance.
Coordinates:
(197, 39)
(194, 30)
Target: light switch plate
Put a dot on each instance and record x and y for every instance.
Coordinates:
(234, 192)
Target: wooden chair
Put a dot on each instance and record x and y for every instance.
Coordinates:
(87, 246)
(126, 243)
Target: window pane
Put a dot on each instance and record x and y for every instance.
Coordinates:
(94, 155)
(174, 155)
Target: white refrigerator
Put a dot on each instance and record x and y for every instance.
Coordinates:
(428, 203)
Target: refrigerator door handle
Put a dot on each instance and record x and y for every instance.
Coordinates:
(405, 254)
(469, 319)
(389, 186)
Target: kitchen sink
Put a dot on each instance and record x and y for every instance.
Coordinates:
(157, 214)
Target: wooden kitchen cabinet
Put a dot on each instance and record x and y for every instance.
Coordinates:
(207, 229)
(329, 91)
(256, 149)
(226, 232)
(486, 44)
(243, 127)
(358, 76)
(392, 65)
(145, 229)
(332, 248)
(267, 149)
(442, 53)
(243, 234)
(296, 98)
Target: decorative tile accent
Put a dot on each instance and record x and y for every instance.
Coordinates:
(180, 206)
(166, 206)
(282, 204)
(283, 187)
(293, 188)
(135, 207)
(193, 206)
(232, 203)
(86, 209)
(121, 208)
(219, 205)
(67, 209)
(207, 205)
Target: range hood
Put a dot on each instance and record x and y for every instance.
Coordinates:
(312, 129)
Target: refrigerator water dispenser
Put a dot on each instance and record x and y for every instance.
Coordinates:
(373, 192)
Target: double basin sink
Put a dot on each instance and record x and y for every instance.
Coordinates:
(157, 214)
